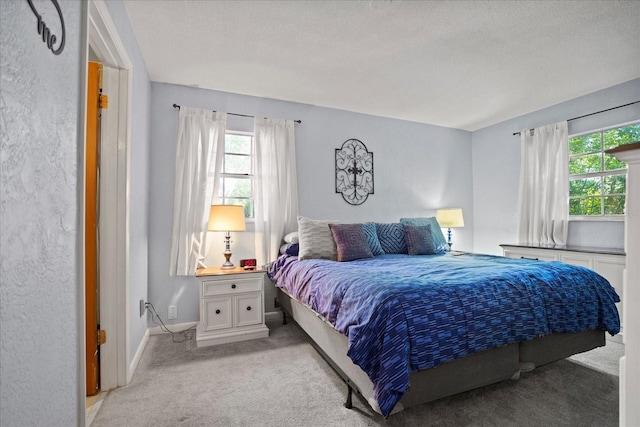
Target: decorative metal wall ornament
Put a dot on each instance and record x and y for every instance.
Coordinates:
(354, 172)
(47, 36)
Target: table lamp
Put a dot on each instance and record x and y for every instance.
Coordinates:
(450, 218)
(226, 218)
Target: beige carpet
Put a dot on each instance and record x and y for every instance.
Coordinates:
(282, 381)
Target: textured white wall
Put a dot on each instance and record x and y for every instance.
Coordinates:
(496, 168)
(40, 320)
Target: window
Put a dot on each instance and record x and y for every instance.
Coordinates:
(598, 181)
(236, 178)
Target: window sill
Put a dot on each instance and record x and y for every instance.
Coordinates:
(620, 218)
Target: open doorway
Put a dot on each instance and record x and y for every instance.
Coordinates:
(106, 47)
(91, 232)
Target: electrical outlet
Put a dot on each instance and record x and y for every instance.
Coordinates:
(173, 312)
(143, 307)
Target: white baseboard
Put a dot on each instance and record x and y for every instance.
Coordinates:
(138, 355)
(155, 330)
(176, 327)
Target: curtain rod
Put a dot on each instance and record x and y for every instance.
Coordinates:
(592, 114)
(234, 114)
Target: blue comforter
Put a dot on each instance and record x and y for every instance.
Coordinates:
(402, 313)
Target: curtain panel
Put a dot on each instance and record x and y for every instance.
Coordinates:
(199, 152)
(275, 186)
(543, 211)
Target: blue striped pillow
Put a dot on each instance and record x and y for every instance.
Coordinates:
(391, 237)
(369, 229)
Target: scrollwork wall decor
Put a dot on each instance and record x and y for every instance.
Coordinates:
(354, 172)
(47, 35)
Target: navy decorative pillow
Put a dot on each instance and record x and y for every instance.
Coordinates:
(351, 241)
(391, 237)
(419, 240)
(290, 249)
(439, 242)
(369, 229)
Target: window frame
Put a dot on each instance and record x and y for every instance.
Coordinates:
(603, 173)
(250, 176)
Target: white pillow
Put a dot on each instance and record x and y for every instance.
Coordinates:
(316, 239)
(291, 237)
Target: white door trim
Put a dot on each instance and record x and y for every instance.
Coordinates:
(114, 223)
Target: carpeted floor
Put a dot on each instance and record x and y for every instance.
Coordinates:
(282, 381)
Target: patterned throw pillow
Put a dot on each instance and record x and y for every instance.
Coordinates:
(290, 249)
(419, 240)
(315, 240)
(369, 229)
(391, 237)
(439, 242)
(351, 241)
(293, 249)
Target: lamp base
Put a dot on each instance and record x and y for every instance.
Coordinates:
(227, 264)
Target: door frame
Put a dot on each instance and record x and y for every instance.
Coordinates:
(114, 257)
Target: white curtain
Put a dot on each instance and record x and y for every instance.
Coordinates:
(275, 186)
(543, 210)
(199, 152)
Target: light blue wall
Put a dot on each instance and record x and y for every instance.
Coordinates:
(496, 167)
(41, 285)
(139, 176)
(418, 168)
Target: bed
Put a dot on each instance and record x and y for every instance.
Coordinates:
(402, 330)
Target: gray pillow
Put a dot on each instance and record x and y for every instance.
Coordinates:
(315, 239)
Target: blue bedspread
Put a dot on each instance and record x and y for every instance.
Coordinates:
(402, 313)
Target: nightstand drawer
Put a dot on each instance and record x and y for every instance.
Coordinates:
(217, 313)
(248, 309)
(224, 287)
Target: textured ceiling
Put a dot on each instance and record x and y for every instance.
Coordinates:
(460, 64)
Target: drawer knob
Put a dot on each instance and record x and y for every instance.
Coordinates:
(233, 286)
(217, 311)
(249, 308)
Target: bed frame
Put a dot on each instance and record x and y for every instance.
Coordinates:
(467, 373)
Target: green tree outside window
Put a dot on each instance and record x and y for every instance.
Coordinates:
(598, 181)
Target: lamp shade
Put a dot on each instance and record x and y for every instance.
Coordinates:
(226, 218)
(450, 218)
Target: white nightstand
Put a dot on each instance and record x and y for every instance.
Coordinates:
(231, 306)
